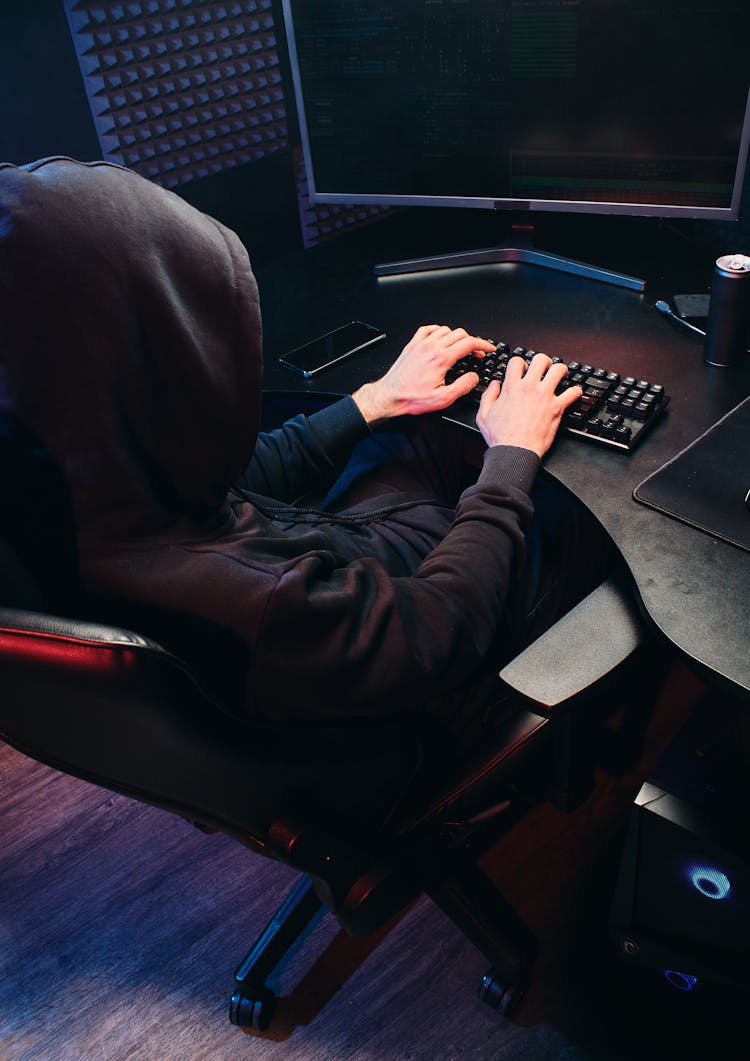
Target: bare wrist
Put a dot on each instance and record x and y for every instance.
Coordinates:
(374, 404)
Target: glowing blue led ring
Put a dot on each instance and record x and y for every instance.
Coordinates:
(682, 981)
(710, 882)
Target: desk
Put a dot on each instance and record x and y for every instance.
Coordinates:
(692, 588)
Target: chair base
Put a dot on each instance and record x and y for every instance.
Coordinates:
(253, 1002)
(466, 895)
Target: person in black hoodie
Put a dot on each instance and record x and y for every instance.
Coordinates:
(131, 349)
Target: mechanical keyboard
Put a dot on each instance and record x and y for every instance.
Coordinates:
(614, 411)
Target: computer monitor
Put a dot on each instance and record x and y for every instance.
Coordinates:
(588, 106)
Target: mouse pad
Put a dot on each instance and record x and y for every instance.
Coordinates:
(705, 485)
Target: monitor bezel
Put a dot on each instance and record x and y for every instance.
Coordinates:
(565, 206)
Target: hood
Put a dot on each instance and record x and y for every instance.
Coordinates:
(130, 344)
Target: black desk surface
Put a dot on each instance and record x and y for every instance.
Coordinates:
(693, 588)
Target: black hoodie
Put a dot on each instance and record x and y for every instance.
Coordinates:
(131, 348)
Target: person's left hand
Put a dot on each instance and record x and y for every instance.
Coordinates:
(415, 382)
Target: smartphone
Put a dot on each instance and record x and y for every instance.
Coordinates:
(692, 308)
(326, 350)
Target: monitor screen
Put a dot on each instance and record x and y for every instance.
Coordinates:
(595, 106)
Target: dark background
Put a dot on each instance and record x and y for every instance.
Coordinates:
(45, 111)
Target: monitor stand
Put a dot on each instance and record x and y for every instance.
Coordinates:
(522, 250)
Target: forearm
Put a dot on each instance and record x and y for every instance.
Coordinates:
(306, 453)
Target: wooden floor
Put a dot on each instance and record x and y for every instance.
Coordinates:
(121, 926)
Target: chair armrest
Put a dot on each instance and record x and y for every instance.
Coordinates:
(583, 649)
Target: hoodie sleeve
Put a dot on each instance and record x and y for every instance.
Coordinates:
(305, 454)
(355, 641)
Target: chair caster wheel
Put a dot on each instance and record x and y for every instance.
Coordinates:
(254, 1011)
(500, 996)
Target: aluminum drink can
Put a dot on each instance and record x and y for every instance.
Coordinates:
(728, 311)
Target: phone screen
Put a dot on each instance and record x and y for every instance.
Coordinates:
(327, 349)
(691, 307)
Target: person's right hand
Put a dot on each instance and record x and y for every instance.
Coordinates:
(525, 411)
(415, 382)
